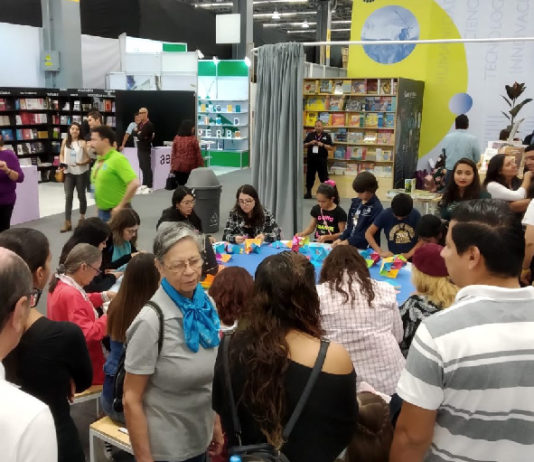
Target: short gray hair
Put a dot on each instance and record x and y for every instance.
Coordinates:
(170, 234)
(80, 253)
(16, 281)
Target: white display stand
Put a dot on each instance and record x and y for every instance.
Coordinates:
(27, 203)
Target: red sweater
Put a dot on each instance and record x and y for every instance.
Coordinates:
(66, 303)
(186, 154)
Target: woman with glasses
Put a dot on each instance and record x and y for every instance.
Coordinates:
(167, 392)
(249, 220)
(120, 247)
(182, 211)
(51, 361)
(68, 301)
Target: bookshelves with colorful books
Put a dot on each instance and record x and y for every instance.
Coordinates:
(363, 116)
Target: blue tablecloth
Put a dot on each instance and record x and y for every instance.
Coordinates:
(251, 261)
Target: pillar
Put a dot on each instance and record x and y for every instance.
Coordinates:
(324, 24)
(245, 9)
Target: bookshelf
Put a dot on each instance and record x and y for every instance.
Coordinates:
(374, 124)
(223, 112)
(33, 121)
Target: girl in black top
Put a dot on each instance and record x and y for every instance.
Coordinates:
(328, 218)
(271, 358)
(51, 361)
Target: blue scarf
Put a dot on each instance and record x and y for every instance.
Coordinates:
(201, 323)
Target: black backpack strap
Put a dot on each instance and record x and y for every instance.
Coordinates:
(158, 311)
(307, 390)
(228, 382)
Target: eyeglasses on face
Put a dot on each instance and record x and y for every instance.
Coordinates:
(96, 270)
(131, 231)
(179, 267)
(188, 202)
(246, 201)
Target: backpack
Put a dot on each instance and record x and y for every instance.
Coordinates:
(265, 452)
(118, 380)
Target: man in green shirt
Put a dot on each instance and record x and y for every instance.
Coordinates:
(114, 180)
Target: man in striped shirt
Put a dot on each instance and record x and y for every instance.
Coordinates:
(468, 385)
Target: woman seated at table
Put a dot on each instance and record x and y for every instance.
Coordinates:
(248, 219)
(502, 182)
(463, 186)
(140, 282)
(271, 359)
(120, 247)
(182, 209)
(167, 394)
(68, 301)
(362, 314)
(96, 232)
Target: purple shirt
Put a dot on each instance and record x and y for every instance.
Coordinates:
(7, 186)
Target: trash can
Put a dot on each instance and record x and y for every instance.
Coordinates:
(207, 190)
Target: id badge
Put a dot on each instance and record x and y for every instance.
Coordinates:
(315, 149)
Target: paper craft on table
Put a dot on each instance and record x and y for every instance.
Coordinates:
(371, 257)
(317, 253)
(281, 244)
(299, 242)
(391, 265)
(234, 249)
(252, 246)
(223, 257)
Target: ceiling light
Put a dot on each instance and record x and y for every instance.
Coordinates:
(305, 25)
(256, 2)
(301, 31)
(284, 14)
(276, 15)
(286, 24)
(341, 30)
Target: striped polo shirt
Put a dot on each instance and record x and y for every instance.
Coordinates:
(474, 364)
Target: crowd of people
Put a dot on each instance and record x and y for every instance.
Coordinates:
(443, 376)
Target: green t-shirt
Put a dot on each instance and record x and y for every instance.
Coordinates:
(111, 175)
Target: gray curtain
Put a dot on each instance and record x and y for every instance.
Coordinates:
(277, 169)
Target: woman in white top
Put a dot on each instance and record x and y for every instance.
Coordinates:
(75, 162)
(501, 180)
(362, 314)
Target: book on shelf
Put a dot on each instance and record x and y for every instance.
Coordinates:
(7, 134)
(338, 119)
(338, 87)
(8, 147)
(310, 87)
(66, 106)
(384, 155)
(311, 118)
(26, 162)
(355, 120)
(5, 104)
(30, 118)
(56, 133)
(383, 171)
(53, 104)
(110, 121)
(349, 152)
(42, 134)
(389, 120)
(324, 117)
(76, 105)
(4, 120)
(355, 137)
(335, 103)
(354, 104)
(56, 146)
(370, 138)
(372, 86)
(30, 103)
(384, 103)
(340, 135)
(359, 86)
(347, 87)
(316, 103)
(77, 118)
(326, 86)
(352, 169)
(385, 137)
(371, 120)
(65, 120)
(370, 155)
(394, 87)
(385, 86)
(358, 153)
(26, 133)
(339, 152)
(86, 107)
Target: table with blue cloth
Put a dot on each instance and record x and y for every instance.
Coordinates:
(402, 283)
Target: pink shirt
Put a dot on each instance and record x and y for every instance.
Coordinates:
(370, 333)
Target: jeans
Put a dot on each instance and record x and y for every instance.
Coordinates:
(6, 211)
(106, 401)
(79, 182)
(143, 154)
(104, 215)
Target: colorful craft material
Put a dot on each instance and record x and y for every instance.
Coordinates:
(223, 257)
(371, 257)
(252, 246)
(317, 253)
(299, 242)
(391, 265)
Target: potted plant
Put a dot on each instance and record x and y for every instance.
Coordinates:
(514, 92)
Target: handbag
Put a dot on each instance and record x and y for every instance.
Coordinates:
(59, 175)
(172, 182)
(265, 452)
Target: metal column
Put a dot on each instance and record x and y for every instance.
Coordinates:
(245, 9)
(324, 26)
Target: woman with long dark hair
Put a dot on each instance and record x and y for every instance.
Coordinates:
(75, 161)
(463, 186)
(248, 219)
(185, 154)
(271, 357)
(502, 182)
(362, 314)
(140, 282)
(120, 247)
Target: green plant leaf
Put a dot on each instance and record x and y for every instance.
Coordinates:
(507, 100)
(505, 115)
(519, 106)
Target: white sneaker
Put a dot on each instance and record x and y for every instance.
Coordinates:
(147, 191)
(141, 189)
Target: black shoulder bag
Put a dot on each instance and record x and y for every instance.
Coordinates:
(118, 380)
(265, 452)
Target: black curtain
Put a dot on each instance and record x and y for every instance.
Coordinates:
(24, 12)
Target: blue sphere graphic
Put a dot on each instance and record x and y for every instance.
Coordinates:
(390, 23)
(460, 103)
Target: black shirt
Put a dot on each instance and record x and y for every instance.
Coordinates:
(145, 135)
(322, 138)
(328, 220)
(325, 426)
(49, 354)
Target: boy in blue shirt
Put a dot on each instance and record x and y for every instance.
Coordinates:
(399, 224)
(363, 211)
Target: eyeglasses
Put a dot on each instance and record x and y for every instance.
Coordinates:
(130, 231)
(186, 203)
(246, 201)
(96, 270)
(180, 266)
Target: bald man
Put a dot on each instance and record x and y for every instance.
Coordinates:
(145, 135)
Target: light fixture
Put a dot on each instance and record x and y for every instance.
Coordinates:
(286, 24)
(341, 30)
(284, 14)
(200, 54)
(305, 25)
(247, 61)
(276, 15)
(341, 21)
(301, 31)
(255, 2)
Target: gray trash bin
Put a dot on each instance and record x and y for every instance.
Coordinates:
(207, 190)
